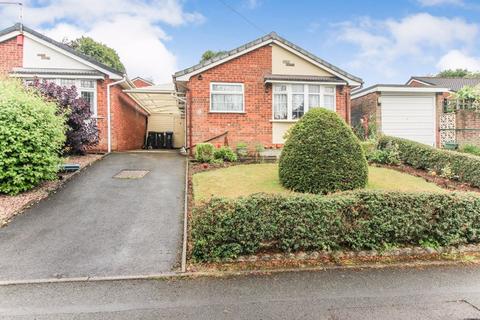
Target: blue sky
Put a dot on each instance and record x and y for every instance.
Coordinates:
(379, 41)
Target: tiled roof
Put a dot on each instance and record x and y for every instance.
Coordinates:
(269, 37)
(287, 77)
(20, 27)
(454, 84)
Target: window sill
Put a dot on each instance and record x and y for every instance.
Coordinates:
(228, 112)
(284, 121)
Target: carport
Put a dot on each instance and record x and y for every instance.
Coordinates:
(166, 110)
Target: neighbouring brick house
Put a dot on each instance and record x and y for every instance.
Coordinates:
(458, 126)
(257, 91)
(27, 54)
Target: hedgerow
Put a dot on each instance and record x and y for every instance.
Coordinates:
(461, 166)
(322, 155)
(352, 220)
(32, 135)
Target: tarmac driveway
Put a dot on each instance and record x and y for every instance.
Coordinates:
(98, 225)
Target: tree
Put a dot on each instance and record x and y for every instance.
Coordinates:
(322, 155)
(98, 51)
(457, 73)
(209, 54)
(82, 130)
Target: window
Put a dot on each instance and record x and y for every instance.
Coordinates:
(291, 101)
(280, 103)
(88, 91)
(226, 97)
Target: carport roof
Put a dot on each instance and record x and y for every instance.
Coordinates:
(160, 98)
(400, 88)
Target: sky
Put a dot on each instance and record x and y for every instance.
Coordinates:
(378, 41)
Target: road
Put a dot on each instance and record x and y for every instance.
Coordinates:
(392, 293)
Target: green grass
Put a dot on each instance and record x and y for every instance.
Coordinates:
(247, 179)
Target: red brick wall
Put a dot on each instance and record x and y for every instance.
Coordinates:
(128, 121)
(139, 83)
(343, 104)
(11, 55)
(366, 105)
(254, 125)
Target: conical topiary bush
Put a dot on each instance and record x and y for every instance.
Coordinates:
(322, 155)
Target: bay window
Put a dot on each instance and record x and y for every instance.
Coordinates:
(291, 101)
(227, 97)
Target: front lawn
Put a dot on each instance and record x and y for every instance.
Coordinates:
(242, 180)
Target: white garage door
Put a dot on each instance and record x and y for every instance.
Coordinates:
(410, 117)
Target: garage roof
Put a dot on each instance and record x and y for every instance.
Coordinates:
(454, 84)
(400, 88)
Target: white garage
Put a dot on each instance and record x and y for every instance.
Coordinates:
(399, 110)
(409, 116)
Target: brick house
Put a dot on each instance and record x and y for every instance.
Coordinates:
(255, 92)
(27, 54)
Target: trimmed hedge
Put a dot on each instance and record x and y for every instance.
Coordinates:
(462, 167)
(322, 155)
(355, 220)
(31, 138)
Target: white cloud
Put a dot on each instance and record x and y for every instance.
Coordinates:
(132, 28)
(457, 59)
(385, 45)
(431, 3)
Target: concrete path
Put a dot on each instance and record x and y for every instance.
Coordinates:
(439, 293)
(101, 226)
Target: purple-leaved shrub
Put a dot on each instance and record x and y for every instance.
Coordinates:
(82, 130)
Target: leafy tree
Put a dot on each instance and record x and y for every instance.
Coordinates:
(98, 51)
(209, 54)
(32, 133)
(82, 131)
(457, 73)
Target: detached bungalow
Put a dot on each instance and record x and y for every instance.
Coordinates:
(27, 54)
(255, 92)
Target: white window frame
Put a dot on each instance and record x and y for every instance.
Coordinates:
(227, 92)
(306, 99)
(77, 84)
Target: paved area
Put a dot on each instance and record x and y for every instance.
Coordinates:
(430, 293)
(98, 225)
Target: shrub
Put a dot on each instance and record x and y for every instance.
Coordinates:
(31, 137)
(389, 154)
(464, 167)
(242, 149)
(470, 148)
(225, 153)
(322, 155)
(204, 152)
(82, 130)
(369, 147)
(354, 220)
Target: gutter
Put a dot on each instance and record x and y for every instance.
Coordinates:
(109, 118)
